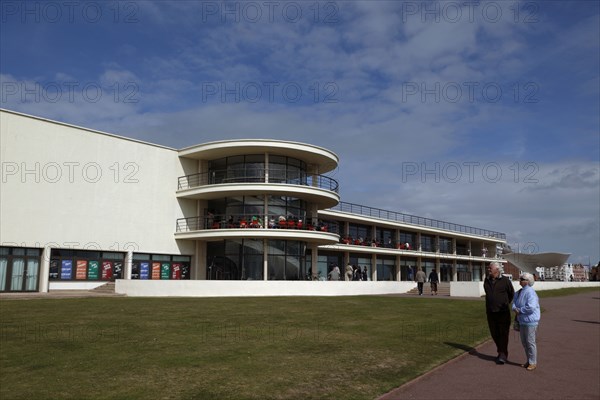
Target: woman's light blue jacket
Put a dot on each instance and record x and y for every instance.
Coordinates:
(527, 303)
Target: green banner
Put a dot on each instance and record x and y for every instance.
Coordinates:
(93, 270)
(165, 271)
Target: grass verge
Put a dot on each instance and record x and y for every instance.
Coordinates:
(228, 348)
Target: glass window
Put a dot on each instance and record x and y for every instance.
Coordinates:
(446, 245)
(463, 273)
(3, 272)
(386, 269)
(18, 272)
(362, 262)
(360, 234)
(427, 266)
(107, 255)
(445, 272)
(408, 237)
(325, 262)
(160, 257)
(385, 237)
(408, 269)
(427, 243)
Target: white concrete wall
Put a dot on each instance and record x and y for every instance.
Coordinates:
(69, 187)
(475, 289)
(75, 285)
(189, 288)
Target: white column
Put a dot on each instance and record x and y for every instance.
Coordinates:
(128, 266)
(265, 260)
(45, 270)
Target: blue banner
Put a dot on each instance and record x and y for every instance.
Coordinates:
(144, 270)
(66, 270)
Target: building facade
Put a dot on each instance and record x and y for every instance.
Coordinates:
(80, 208)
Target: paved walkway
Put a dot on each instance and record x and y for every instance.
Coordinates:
(568, 361)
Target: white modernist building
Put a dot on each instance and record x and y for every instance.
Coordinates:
(79, 208)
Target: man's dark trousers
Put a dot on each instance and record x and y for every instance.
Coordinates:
(499, 324)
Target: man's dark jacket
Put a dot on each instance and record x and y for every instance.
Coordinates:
(498, 294)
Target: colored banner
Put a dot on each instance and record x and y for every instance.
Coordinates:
(135, 270)
(185, 271)
(156, 270)
(107, 270)
(93, 270)
(66, 269)
(118, 270)
(176, 271)
(165, 271)
(53, 269)
(81, 270)
(144, 270)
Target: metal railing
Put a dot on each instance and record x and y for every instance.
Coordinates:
(208, 222)
(414, 220)
(256, 175)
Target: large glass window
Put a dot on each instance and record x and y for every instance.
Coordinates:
(160, 266)
(362, 262)
(446, 245)
(385, 237)
(287, 170)
(477, 274)
(19, 269)
(386, 269)
(427, 243)
(408, 240)
(427, 266)
(326, 261)
(445, 272)
(234, 211)
(70, 264)
(286, 260)
(251, 168)
(408, 269)
(286, 207)
(360, 234)
(463, 273)
(233, 260)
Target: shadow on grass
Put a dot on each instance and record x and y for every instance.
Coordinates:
(474, 352)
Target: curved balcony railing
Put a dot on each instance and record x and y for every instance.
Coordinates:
(413, 219)
(208, 222)
(256, 175)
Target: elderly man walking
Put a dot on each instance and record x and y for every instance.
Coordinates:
(499, 293)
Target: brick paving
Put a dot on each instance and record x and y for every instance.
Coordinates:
(568, 361)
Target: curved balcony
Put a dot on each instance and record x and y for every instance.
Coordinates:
(319, 189)
(216, 227)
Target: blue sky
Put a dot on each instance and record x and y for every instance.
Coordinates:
(481, 113)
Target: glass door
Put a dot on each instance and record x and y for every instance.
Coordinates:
(33, 268)
(18, 272)
(3, 270)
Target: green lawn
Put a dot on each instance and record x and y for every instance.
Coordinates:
(228, 348)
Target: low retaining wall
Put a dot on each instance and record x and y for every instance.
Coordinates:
(197, 288)
(75, 285)
(475, 289)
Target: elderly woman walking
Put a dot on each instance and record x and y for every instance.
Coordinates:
(526, 305)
